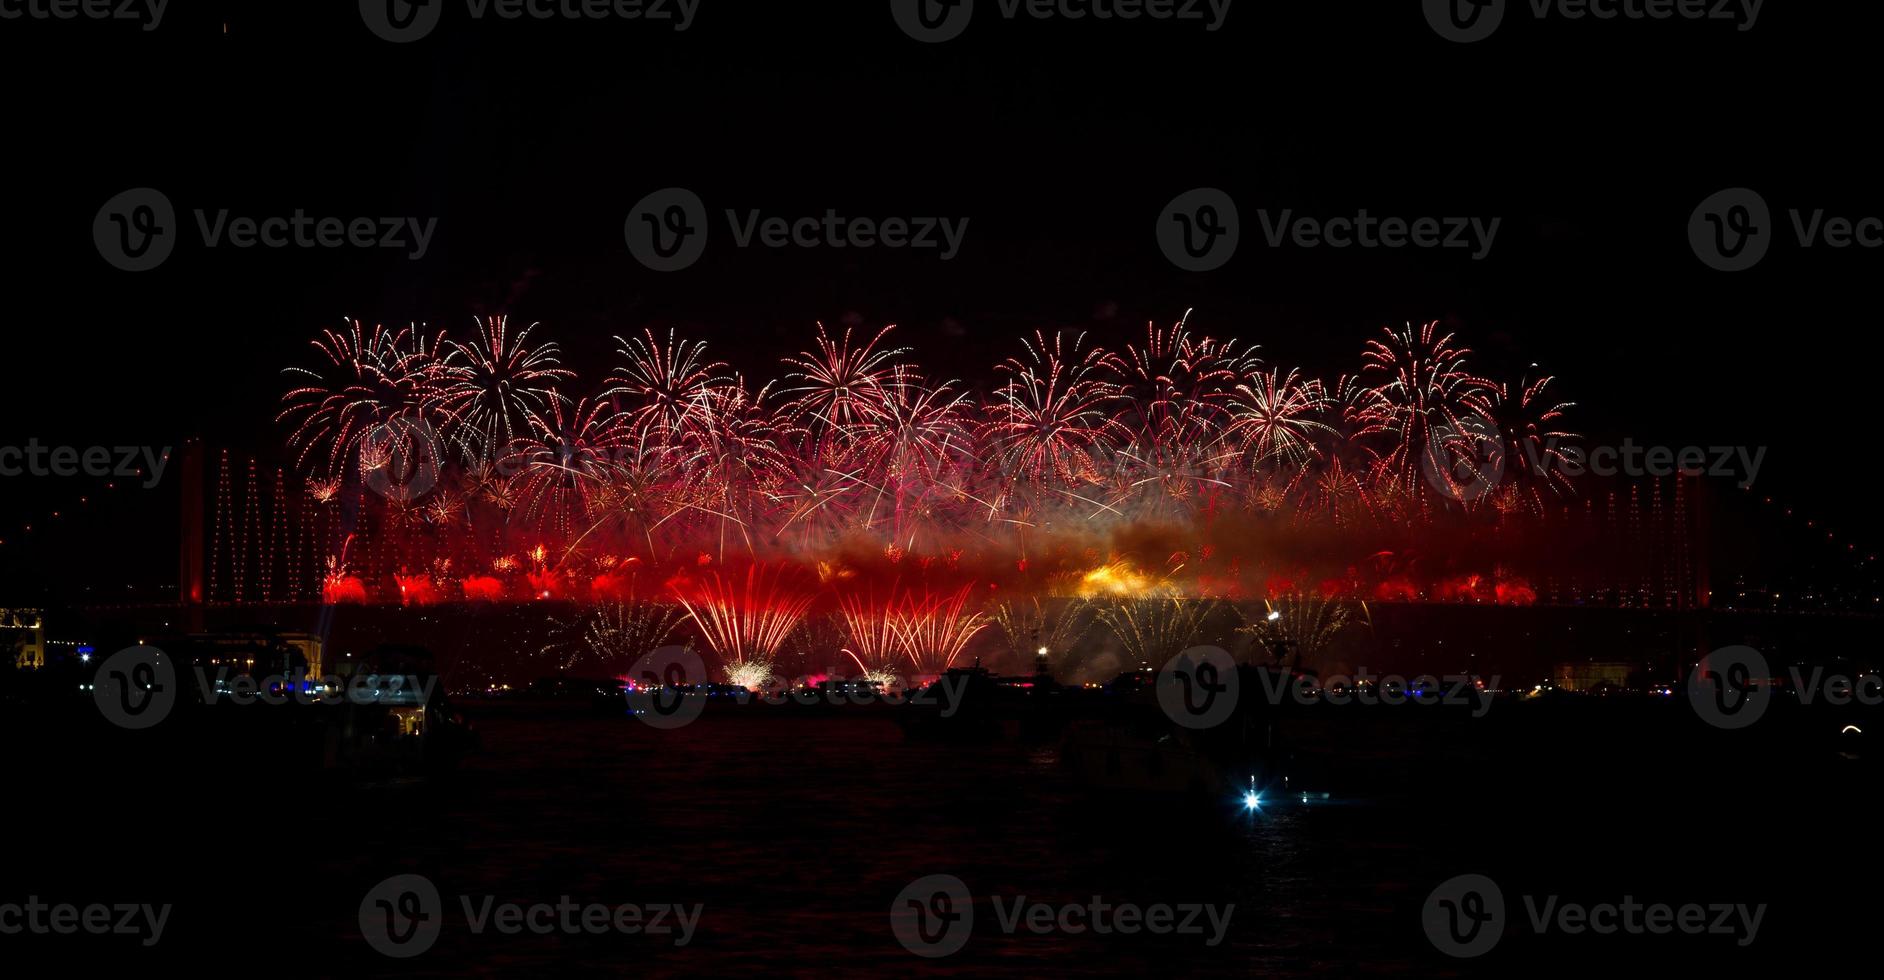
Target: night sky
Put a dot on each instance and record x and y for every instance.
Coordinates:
(529, 142)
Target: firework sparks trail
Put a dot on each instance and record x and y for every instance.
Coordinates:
(933, 629)
(1535, 446)
(567, 459)
(611, 636)
(744, 618)
(1034, 624)
(371, 382)
(662, 386)
(1052, 423)
(1155, 628)
(1298, 629)
(838, 386)
(1436, 408)
(871, 636)
(492, 386)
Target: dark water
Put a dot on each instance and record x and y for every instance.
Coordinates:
(796, 834)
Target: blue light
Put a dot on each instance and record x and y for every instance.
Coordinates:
(1250, 801)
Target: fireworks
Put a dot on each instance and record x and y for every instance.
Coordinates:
(926, 629)
(661, 386)
(1535, 447)
(871, 635)
(1179, 385)
(1274, 418)
(744, 617)
(1435, 409)
(837, 387)
(1155, 628)
(1052, 420)
(566, 459)
(1078, 459)
(933, 629)
(371, 392)
(1033, 625)
(752, 675)
(1298, 629)
(492, 385)
(610, 636)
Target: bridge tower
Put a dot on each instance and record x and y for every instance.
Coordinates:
(190, 566)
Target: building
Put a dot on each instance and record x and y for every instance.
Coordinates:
(24, 632)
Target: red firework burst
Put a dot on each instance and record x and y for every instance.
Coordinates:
(489, 387)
